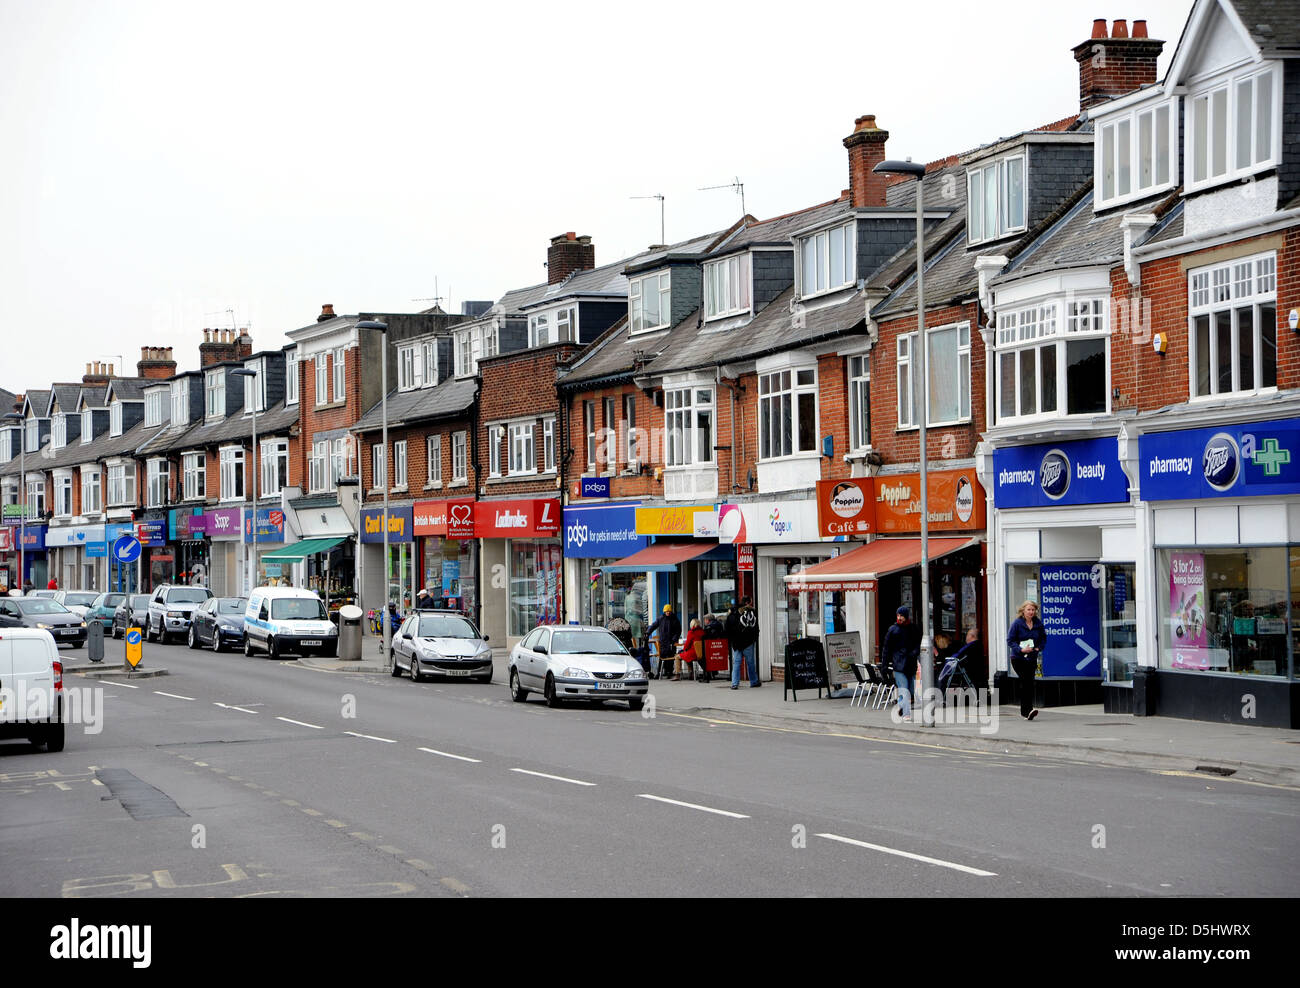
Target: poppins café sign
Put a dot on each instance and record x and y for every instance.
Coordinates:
(448, 519)
(892, 504)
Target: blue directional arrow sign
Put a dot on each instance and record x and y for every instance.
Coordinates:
(126, 549)
(134, 649)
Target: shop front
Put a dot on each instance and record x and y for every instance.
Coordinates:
(157, 559)
(1223, 506)
(8, 559)
(522, 538)
(226, 576)
(122, 577)
(1065, 537)
(77, 556)
(35, 562)
(595, 538)
(447, 552)
(397, 574)
(269, 536)
(330, 569)
(186, 530)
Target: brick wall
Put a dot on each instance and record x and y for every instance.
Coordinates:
(516, 386)
(417, 460)
(314, 419)
(649, 421)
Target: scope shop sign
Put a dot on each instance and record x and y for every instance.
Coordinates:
(1070, 608)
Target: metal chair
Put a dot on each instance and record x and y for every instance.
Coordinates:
(888, 688)
(863, 687)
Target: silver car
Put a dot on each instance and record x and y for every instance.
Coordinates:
(170, 610)
(572, 662)
(443, 643)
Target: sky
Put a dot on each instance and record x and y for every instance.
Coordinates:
(166, 167)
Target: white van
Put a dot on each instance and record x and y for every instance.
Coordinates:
(31, 687)
(278, 620)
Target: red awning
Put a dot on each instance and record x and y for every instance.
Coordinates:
(662, 557)
(860, 568)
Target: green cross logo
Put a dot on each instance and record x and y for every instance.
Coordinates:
(1271, 457)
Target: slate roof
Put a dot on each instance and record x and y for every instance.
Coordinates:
(452, 397)
(7, 400)
(93, 397)
(278, 418)
(130, 388)
(1274, 25)
(687, 249)
(949, 277)
(612, 354)
(778, 230)
(66, 395)
(40, 402)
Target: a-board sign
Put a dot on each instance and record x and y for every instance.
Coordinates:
(805, 667)
(843, 650)
(134, 650)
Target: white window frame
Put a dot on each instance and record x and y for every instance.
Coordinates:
(779, 416)
(521, 451)
(433, 460)
(180, 396)
(32, 437)
(92, 491)
(548, 445)
(6, 446)
(322, 378)
(121, 482)
(158, 479)
(274, 467)
(340, 373)
(494, 450)
(1202, 100)
(539, 329)
(1004, 224)
(194, 472)
(429, 363)
(589, 430)
(459, 460)
(399, 465)
(153, 409)
(814, 260)
(1231, 287)
(291, 376)
(318, 466)
(115, 418)
(58, 430)
(233, 466)
(214, 394)
(62, 493)
(859, 396)
(1108, 148)
(631, 448)
(378, 467)
(35, 496)
(907, 395)
(255, 387)
(87, 426)
(409, 368)
(657, 286)
(682, 410)
(729, 281)
(1025, 335)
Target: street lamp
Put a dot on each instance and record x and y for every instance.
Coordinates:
(912, 170)
(247, 373)
(382, 327)
(22, 496)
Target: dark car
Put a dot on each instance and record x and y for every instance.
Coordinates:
(131, 613)
(219, 621)
(37, 612)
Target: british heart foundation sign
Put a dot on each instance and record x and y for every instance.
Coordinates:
(955, 502)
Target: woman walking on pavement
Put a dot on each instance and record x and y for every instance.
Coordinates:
(1025, 642)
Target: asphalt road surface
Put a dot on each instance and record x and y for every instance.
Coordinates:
(253, 777)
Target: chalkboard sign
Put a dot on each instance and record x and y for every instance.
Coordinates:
(805, 667)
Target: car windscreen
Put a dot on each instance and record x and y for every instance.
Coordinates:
(298, 608)
(80, 599)
(446, 626)
(195, 596)
(39, 605)
(594, 642)
(113, 599)
(232, 605)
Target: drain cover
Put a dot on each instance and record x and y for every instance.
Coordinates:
(1216, 770)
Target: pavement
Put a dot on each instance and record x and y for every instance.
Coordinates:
(1085, 733)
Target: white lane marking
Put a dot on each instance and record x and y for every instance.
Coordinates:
(909, 854)
(693, 806)
(174, 696)
(370, 737)
(557, 778)
(448, 754)
(109, 682)
(301, 723)
(231, 706)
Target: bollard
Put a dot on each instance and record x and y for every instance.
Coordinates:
(95, 641)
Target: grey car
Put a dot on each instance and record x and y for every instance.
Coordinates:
(170, 610)
(442, 643)
(131, 613)
(573, 662)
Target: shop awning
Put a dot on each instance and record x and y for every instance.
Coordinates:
(860, 568)
(298, 551)
(663, 557)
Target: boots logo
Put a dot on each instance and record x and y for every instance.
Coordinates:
(1221, 462)
(1054, 474)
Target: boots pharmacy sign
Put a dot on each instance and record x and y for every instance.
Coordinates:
(1252, 460)
(1082, 472)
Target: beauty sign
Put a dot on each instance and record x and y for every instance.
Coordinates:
(1187, 636)
(1071, 615)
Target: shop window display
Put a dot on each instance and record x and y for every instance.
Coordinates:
(535, 582)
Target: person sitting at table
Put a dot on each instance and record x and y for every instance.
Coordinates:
(694, 639)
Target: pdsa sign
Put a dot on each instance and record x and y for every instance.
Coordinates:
(1070, 608)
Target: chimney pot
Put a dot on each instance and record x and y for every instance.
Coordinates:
(866, 147)
(1120, 29)
(326, 312)
(1139, 29)
(570, 236)
(567, 254)
(1099, 28)
(88, 368)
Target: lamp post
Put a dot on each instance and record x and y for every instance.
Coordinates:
(913, 170)
(382, 327)
(245, 372)
(22, 497)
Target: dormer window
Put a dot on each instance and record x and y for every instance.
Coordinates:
(59, 430)
(995, 199)
(115, 419)
(466, 354)
(649, 302)
(410, 368)
(215, 391)
(154, 405)
(87, 425)
(291, 377)
(726, 287)
(181, 401)
(1233, 128)
(33, 440)
(826, 261)
(255, 387)
(1133, 154)
(429, 362)
(553, 327)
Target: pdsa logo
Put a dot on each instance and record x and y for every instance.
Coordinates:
(1221, 461)
(847, 499)
(577, 535)
(1054, 474)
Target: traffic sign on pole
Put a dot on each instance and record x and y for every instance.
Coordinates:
(134, 650)
(126, 549)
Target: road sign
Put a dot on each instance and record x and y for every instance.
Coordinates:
(126, 549)
(134, 650)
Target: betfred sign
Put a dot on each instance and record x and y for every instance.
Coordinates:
(517, 519)
(846, 507)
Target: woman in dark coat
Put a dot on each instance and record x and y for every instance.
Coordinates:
(1025, 642)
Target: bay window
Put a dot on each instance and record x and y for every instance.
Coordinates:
(1233, 128)
(826, 261)
(649, 302)
(91, 494)
(726, 286)
(859, 402)
(947, 368)
(995, 199)
(158, 474)
(232, 473)
(62, 494)
(1052, 359)
(121, 483)
(787, 413)
(688, 414)
(521, 449)
(194, 472)
(1232, 315)
(275, 467)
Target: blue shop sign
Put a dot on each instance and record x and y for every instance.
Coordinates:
(1084, 471)
(270, 525)
(151, 533)
(1070, 609)
(401, 525)
(607, 531)
(594, 487)
(32, 537)
(1256, 459)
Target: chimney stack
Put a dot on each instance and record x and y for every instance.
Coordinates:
(567, 255)
(217, 345)
(866, 147)
(156, 363)
(326, 313)
(1115, 64)
(243, 345)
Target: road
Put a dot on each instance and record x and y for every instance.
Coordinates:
(253, 777)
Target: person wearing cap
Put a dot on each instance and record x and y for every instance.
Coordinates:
(670, 629)
(901, 651)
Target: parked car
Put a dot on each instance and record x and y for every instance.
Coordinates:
(573, 662)
(219, 621)
(77, 601)
(443, 642)
(30, 666)
(287, 619)
(47, 594)
(170, 609)
(133, 612)
(48, 615)
(103, 608)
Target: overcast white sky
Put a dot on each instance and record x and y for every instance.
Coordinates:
(161, 163)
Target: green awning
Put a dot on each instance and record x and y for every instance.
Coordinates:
(298, 551)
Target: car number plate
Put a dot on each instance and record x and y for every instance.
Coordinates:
(67, 631)
(609, 686)
(456, 672)
(313, 642)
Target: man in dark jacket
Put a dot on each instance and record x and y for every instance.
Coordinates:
(742, 636)
(669, 629)
(901, 649)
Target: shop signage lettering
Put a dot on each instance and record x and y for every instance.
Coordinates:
(396, 524)
(1086, 471)
(595, 486)
(1251, 460)
(400, 528)
(460, 520)
(669, 521)
(1187, 634)
(745, 558)
(848, 507)
(1071, 615)
(33, 537)
(607, 532)
(270, 525)
(6, 539)
(956, 502)
(506, 519)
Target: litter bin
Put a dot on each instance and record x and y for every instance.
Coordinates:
(350, 633)
(95, 641)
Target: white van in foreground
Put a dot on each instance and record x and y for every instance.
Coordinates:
(280, 620)
(31, 687)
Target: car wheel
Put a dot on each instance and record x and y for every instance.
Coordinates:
(635, 702)
(517, 692)
(53, 738)
(216, 642)
(248, 646)
(272, 650)
(396, 670)
(194, 637)
(116, 636)
(415, 670)
(552, 700)
(148, 631)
